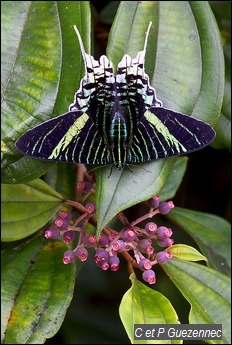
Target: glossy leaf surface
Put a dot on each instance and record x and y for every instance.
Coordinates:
(37, 289)
(211, 233)
(26, 208)
(142, 305)
(207, 290)
(41, 76)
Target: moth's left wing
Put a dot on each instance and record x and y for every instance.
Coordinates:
(72, 137)
(162, 133)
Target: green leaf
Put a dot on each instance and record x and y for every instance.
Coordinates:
(24, 170)
(222, 11)
(37, 289)
(211, 233)
(174, 179)
(184, 56)
(31, 77)
(208, 292)
(41, 76)
(184, 52)
(112, 201)
(142, 305)
(108, 12)
(223, 127)
(117, 190)
(185, 252)
(210, 99)
(223, 138)
(62, 178)
(26, 208)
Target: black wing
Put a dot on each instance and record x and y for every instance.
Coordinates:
(71, 137)
(162, 133)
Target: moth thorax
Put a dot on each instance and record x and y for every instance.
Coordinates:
(118, 129)
(118, 139)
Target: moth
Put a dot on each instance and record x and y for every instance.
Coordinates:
(115, 119)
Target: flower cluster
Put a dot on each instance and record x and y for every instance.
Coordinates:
(132, 239)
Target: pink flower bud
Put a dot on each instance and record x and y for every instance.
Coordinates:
(103, 264)
(81, 254)
(101, 255)
(114, 263)
(65, 215)
(111, 237)
(167, 242)
(85, 187)
(129, 235)
(89, 240)
(145, 264)
(151, 228)
(52, 232)
(117, 245)
(61, 223)
(145, 246)
(149, 276)
(90, 207)
(165, 207)
(69, 256)
(163, 232)
(103, 240)
(68, 236)
(163, 257)
(154, 202)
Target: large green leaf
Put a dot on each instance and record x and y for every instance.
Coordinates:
(142, 305)
(184, 56)
(165, 183)
(62, 178)
(26, 208)
(36, 291)
(208, 291)
(174, 179)
(222, 11)
(118, 190)
(43, 66)
(184, 52)
(212, 234)
(223, 127)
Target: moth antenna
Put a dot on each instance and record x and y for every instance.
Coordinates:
(147, 34)
(83, 52)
